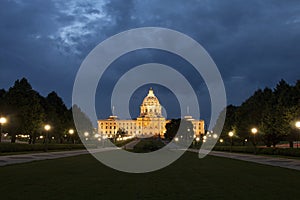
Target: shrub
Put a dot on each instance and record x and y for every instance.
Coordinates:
(148, 145)
(265, 151)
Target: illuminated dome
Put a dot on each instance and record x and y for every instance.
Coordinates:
(150, 106)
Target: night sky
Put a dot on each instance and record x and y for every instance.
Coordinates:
(254, 43)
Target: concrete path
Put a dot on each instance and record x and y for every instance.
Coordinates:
(265, 160)
(24, 158)
(30, 157)
(131, 144)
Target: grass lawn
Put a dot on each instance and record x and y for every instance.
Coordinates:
(83, 177)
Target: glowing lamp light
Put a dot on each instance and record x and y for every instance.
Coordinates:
(71, 131)
(297, 124)
(215, 136)
(254, 130)
(3, 120)
(230, 134)
(47, 127)
(86, 134)
(197, 139)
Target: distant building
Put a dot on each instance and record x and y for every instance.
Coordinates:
(149, 123)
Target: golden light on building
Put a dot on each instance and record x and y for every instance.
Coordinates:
(149, 123)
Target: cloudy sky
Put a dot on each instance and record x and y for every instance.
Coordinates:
(254, 43)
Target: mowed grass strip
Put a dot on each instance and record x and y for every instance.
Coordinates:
(83, 177)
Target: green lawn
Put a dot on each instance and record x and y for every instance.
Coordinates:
(83, 177)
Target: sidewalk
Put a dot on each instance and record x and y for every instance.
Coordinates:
(25, 158)
(265, 160)
(131, 144)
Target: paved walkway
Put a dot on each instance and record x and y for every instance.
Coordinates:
(265, 160)
(24, 158)
(30, 157)
(131, 144)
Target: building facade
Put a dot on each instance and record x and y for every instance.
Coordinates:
(149, 123)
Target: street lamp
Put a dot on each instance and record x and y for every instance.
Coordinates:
(230, 134)
(47, 128)
(3, 120)
(297, 124)
(71, 132)
(254, 131)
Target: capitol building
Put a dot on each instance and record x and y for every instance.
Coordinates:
(149, 123)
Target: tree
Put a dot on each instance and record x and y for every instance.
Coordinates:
(172, 129)
(27, 113)
(83, 123)
(120, 133)
(272, 112)
(182, 127)
(229, 123)
(57, 115)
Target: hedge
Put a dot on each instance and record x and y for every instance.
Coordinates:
(267, 151)
(16, 147)
(148, 145)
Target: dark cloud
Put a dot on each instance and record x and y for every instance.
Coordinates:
(254, 43)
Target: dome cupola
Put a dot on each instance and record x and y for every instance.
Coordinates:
(150, 106)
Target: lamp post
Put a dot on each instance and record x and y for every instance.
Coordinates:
(71, 132)
(47, 128)
(254, 131)
(297, 124)
(86, 134)
(3, 120)
(230, 134)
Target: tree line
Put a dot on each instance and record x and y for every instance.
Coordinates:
(27, 112)
(273, 112)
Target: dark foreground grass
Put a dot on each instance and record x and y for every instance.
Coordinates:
(83, 177)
